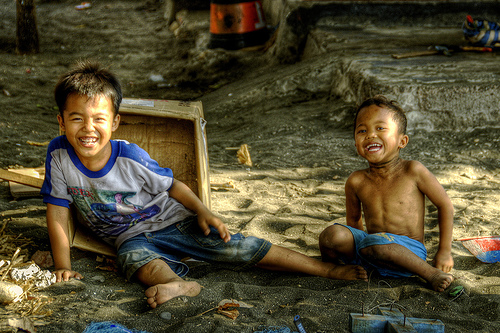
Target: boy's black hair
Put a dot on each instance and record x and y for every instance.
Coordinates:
(88, 78)
(381, 101)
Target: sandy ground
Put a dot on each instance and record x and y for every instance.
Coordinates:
(302, 148)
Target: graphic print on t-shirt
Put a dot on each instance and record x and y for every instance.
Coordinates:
(109, 213)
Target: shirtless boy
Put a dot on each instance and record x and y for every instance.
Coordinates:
(390, 194)
(131, 202)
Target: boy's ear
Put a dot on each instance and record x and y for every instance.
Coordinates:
(60, 119)
(404, 141)
(116, 123)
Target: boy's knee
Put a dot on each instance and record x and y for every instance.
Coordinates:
(332, 236)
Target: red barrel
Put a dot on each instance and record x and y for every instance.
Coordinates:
(237, 24)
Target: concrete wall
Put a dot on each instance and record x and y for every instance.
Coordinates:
(273, 10)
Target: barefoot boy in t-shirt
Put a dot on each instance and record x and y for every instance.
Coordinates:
(390, 194)
(131, 202)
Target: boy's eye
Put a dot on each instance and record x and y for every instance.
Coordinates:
(362, 131)
(380, 128)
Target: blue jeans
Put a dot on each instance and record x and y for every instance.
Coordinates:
(362, 240)
(186, 239)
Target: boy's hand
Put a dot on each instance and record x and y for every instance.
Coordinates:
(208, 219)
(443, 261)
(66, 274)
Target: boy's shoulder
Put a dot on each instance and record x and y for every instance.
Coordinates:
(413, 167)
(131, 151)
(356, 178)
(58, 142)
(358, 174)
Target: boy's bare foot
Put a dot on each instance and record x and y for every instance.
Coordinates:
(347, 272)
(161, 293)
(440, 280)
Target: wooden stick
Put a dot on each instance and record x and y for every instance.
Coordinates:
(415, 54)
(21, 179)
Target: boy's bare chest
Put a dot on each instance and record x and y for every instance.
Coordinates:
(393, 192)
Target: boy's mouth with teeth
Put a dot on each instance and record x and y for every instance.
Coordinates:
(88, 141)
(373, 147)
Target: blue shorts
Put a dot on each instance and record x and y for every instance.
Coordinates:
(362, 240)
(185, 239)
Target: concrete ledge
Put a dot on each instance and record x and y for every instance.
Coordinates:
(354, 40)
(298, 17)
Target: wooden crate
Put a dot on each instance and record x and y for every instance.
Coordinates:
(173, 133)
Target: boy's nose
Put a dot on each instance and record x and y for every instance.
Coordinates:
(370, 134)
(89, 125)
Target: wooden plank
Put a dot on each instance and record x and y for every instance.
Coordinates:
(19, 190)
(20, 178)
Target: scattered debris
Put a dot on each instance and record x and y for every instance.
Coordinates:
(22, 279)
(39, 144)
(392, 320)
(441, 49)
(98, 278)
(244, 155)
(17, 324)
(481, 32)
(298, 323)
(456, 292)
(108, 264)
(83, 5)
(39, 278)
(156, 78)
(43, 259)
(9, 292)
(166, 315)
(228, 308)
(484, 248)
(222, 186)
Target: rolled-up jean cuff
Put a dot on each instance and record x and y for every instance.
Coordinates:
(257, 257)
(129, 270)
(186, 239)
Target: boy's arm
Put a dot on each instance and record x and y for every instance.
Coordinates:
(182, 193)
(352, 204)
(431, 187)
(57, 225)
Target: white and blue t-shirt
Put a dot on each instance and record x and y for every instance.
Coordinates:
(127, 197)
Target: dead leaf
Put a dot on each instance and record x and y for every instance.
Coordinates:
(224, 308)
(233, 314)
(241, 304)
(244, 155)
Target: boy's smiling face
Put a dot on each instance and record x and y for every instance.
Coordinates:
(377, 136)
(88, 125)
